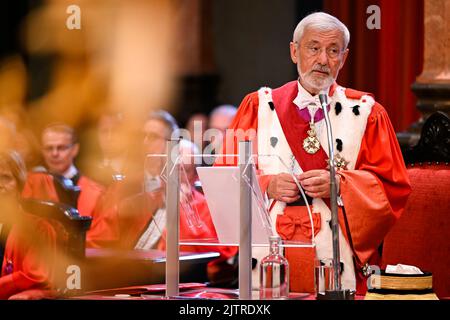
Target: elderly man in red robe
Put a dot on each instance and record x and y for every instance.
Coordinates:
(288, 123)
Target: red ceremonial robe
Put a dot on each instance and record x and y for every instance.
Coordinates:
(28, 265)
(40, 186)
(104, 231)
(122, 221)
(374, 192)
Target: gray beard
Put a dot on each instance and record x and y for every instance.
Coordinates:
(324, 84)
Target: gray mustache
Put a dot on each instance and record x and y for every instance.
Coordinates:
(321, 69)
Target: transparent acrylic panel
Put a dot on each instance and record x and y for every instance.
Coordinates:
(221, 186)
(150, 233)
(197, 222)
(220, 190)
(209, 203)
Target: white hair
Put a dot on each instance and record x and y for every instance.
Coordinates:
(224, 109)
(321, 21)
(186, 145)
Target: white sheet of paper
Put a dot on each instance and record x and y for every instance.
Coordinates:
(402, 269)
(221, 188)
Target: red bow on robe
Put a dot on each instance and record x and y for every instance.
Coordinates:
(294, 223)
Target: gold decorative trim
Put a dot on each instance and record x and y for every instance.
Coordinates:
(377, 296)
(401, 283)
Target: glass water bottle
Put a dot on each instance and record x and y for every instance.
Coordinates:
(274, 273)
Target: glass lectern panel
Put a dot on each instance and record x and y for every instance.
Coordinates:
(209, 201)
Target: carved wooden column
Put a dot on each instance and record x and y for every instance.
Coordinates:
(432, 86)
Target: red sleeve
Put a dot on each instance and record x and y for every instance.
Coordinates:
(32, 254)
(375, 193)
(89, 196)
(243, 127)
(40, 186)
(104, 230)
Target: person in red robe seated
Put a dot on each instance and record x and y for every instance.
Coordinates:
(287, 123)
(27, 242)
(106, 163)
(137, 220)
(59, 149)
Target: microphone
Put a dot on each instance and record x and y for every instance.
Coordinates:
(323, 97)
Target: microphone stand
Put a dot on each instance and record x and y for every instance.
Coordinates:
(337, 293)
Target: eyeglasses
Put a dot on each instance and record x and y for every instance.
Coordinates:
(60, 148)
(313, 50)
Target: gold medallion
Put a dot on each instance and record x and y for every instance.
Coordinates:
(311, 144)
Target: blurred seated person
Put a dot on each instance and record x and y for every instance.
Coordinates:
(113, 150)
(195, 219)
(140, 219)
(222, 116)
(189, 170)
(143, 215)
(128, 205)
(219, 121)
(104, 231)
(27, 242)
(197, 125)
(137, 221)
(59, 149)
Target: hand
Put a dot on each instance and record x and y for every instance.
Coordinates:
(316, 183)
(283, 188)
